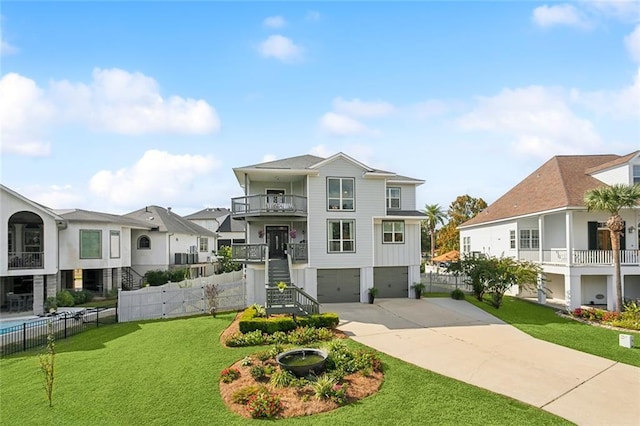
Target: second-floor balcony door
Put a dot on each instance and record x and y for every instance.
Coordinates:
(275, 199)
(277, 241)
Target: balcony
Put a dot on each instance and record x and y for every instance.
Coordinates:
(26, 260)
(581, 257)
(298, 252)
(249, 253)
(269, 205)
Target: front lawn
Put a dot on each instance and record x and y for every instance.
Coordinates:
(542, 323)
(166, 373)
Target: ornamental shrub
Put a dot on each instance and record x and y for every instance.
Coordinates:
(282, 379)
(264, 405)
(242, 395)
(457, 294)
(64, 298)
(228, 375)
(257, 372)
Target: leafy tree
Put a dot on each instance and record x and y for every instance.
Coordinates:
(227, 263)
(435, 216)
(496, 275)
(613, 199)
(462, 209)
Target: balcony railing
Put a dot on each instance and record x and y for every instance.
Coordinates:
(26, 260)
(269, 205)
(581, 257)
(249, 253)
(298, 252)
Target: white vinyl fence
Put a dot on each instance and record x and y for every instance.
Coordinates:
(185, 298)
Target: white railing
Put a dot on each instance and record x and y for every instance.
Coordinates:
(581, 257)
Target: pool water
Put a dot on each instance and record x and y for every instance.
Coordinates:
(6, 324)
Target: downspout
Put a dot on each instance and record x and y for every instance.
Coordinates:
(169, 254)
(246, 221)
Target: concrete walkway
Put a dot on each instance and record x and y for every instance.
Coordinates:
(458, 340)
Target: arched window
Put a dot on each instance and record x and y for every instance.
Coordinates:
(144, 242)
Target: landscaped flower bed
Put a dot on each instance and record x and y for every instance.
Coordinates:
(628, 319)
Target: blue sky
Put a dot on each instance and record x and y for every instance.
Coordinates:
(113, 106)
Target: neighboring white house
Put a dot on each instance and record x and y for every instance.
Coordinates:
(172, 242)
(218, 220)
(341, 227)
(543, 219)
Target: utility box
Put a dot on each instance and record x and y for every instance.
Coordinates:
(626, 340)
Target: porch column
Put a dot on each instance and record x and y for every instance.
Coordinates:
(366, 282)
(107, 283)
(569, 236)
(39, 294)
(542, 293)
(611, 293)
(572, 291)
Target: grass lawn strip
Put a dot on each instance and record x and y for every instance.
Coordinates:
(543, 323)
(166, 373)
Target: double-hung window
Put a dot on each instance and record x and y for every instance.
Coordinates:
(393, 231)
(341, 194)
(636, 175)
(204, 244)
(393, 198)
(512, 239)
(342, 236)
(90, 244)
(529, 239)
(466, 244)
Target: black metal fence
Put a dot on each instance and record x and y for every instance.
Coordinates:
(33, 333)
(436, 282)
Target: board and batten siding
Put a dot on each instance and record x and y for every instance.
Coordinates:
(403, 254)
(369, 202)
(407, 195)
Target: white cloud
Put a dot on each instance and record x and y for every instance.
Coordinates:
(624, 10)
(25, 116)
(632, 43)
(618, 104)
(358, 108)
(536, 119)
(268, 157)
(562, 14)
(158, 177)
(274, 22)
(342, 125)
(56, 196)
(280, 47)
(313, 15)
(130, 103)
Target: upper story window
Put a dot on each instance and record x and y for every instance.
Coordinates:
(204, 244)
(466, 244)
(341, 194)
(393, 231)
(90, 244)
(342, 236)
(32, 242)
(144, 242)
(512, 239)
(529, 239)
(636, 175)
(393, 198)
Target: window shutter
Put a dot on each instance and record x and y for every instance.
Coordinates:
(592, 235)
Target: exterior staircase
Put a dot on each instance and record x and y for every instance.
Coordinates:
(131, 280)
(291, 300)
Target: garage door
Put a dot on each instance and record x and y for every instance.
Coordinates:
(391, 281)
(338, 285)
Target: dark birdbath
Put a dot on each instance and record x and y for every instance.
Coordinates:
(303, 361)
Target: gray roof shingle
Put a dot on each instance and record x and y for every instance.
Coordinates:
(168, 221)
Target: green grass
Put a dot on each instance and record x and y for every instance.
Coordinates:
(166, 373)
(542, 323)
(104, 303)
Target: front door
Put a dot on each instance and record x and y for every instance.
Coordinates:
(277, 241)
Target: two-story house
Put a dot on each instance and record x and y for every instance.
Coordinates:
(543, 219)
(218, 220)
(333, 227)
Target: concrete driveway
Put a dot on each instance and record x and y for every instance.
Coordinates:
(458, 340)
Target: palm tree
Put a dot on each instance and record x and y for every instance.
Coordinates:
(613, 199)
(435, 215)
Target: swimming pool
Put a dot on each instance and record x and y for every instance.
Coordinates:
(8, 325)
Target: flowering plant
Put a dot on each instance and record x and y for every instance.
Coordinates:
(293, 233)
(264, 405)
(281, 285)
(260, 233)
(228, 375)
(339, 394)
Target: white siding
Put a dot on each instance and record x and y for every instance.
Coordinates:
(368, 203)
(70, 247)
(157, 257)
(493, 240)
(407, 197)
(619, 174)
(407, 253)
(554, 235)
(289, 188)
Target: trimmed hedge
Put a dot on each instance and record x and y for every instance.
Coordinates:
(250, 322)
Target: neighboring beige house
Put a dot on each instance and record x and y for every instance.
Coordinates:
(543, 219)
(333, 227)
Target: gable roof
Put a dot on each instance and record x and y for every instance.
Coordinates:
(167, 221)
(613, 163)
(296, 163)
(79, 215)
(230, 225)
(36, 206)
(209, 213)
(559, 183)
